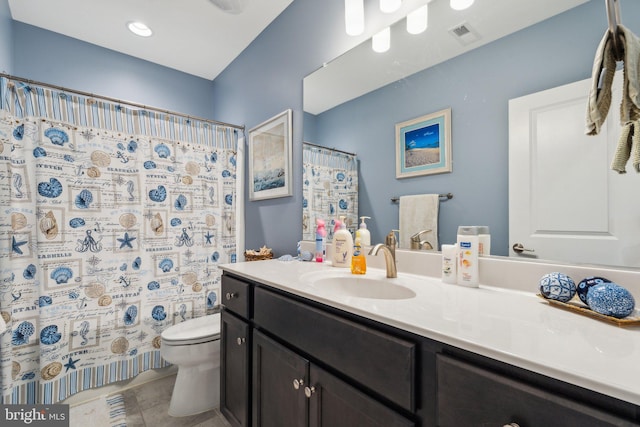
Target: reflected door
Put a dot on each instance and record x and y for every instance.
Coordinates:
(565, 202)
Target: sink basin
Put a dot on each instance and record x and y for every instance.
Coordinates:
(361, 286)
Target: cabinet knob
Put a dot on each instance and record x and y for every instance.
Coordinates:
(231, 295)
(240, 340)
(297, 383)
(511, 425)
(308, 391)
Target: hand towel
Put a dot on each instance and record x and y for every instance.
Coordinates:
(600, 96)
(417, 213)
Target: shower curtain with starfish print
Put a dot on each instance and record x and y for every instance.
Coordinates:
(113, 222)
(329, 190)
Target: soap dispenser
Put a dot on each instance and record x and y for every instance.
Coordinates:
(365, 234)
(342, 245)
(358, 261)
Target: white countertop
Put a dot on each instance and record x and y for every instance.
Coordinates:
(511, 326)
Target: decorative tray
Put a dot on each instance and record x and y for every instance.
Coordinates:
(631, 320)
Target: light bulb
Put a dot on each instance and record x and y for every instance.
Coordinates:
(460, 4)
(354, 17)
(418, 20)
(139, 29)
(390, 6)
(381, 42)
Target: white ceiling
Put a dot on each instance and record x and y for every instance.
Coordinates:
(192, 36)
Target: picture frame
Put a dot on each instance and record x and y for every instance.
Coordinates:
(423, 145)
(270, 164)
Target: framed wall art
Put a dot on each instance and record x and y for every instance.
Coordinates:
(423, 145)
(270, 167)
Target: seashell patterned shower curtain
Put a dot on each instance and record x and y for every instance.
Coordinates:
(113, 222)
(329, 190)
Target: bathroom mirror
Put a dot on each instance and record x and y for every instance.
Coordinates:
(473, 62)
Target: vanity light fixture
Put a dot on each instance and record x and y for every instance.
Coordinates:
(354, 17)
(418, 20)
(390, 6)
(381, 42)
(139, 29)
(460, 4)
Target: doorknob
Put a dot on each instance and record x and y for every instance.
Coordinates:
(297, 383)
(518, 248)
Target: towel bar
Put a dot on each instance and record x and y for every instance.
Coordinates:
(442, 196)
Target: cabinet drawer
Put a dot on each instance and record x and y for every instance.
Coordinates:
(381, 362)
(236, 296)
(472, 396)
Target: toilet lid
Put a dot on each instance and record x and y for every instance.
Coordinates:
(194, 331)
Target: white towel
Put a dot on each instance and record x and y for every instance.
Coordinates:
(417, 213)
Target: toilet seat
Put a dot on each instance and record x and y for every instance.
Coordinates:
(193, 331)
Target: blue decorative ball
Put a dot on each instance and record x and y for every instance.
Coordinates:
(610, 299)
(586, 283)
(557, 286)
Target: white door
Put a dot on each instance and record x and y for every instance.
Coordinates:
(565, 202)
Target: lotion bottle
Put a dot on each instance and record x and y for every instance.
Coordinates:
(358, 261)
(342, 245)
(468, 242)
(484, 239)
(450, 263)
(365, 234)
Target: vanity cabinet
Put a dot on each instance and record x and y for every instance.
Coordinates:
(314, 365)
(292, 389)
(235, 358)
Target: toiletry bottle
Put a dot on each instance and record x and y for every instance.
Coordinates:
(484, 240)
(358, 261)
(365, 234)
(450, 263)
(468, 274)
(321, 232)
(342, 245)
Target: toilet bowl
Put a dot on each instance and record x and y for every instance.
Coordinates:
(194, 346)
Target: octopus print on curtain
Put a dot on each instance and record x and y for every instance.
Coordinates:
(329, 190)
(113, 223)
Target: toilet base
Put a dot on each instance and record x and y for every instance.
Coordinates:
(196, 390)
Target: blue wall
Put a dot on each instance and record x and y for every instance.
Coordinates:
(267, 78)
(6, 38)
(49, 57)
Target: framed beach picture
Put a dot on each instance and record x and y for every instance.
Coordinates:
(423, 145)
(270, 158)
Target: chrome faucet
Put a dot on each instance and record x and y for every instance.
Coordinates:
(418, 243)
(389, 251)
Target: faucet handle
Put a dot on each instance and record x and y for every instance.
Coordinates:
(391, 240)
(418, 236)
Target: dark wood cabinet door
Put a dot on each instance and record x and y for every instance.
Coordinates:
(279, 378)
(334, 403)
(234, 369)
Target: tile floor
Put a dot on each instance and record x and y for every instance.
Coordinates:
(147, 405)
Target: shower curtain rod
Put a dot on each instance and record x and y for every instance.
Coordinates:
(328, 148)
(119, 101)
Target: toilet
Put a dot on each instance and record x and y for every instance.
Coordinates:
(194, 346)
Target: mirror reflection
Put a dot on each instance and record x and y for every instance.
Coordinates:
(329, 189)
(507, 59)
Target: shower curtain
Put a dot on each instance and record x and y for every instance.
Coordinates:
(113, 221)
(329, 190)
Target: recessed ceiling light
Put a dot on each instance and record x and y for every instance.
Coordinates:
(139, 29)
